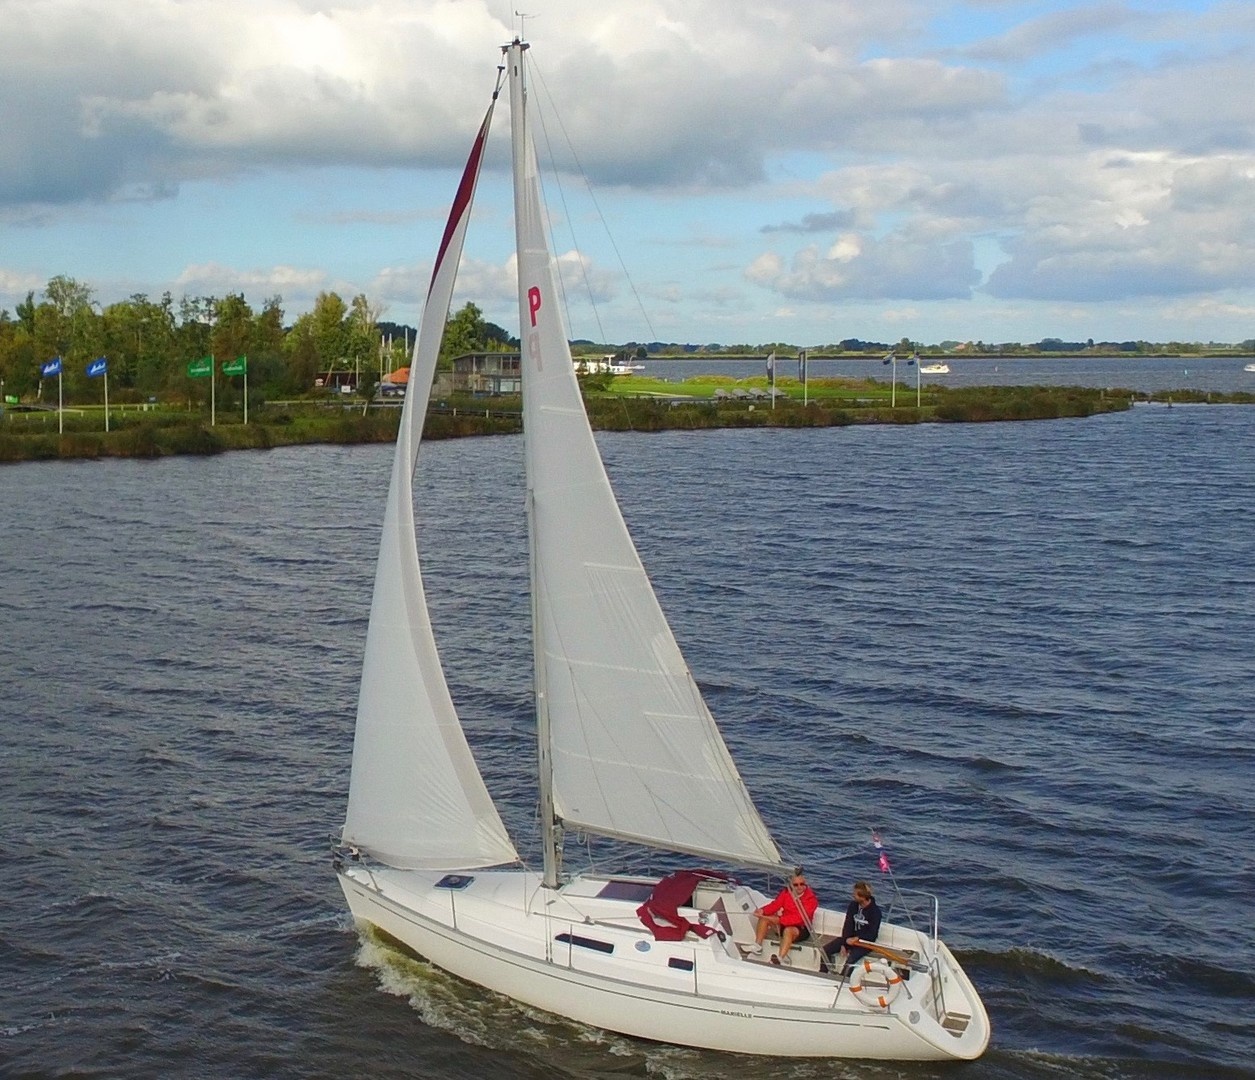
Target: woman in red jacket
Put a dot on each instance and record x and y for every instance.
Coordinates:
(791, 913)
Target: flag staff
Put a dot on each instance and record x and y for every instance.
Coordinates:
(53, 367)
(100, 366)
(213, 385)
(239, 366)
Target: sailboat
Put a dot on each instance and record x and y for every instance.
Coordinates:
(627, 750)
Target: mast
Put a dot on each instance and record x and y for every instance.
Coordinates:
(520, 147)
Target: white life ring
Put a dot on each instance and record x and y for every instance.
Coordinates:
(883, 988)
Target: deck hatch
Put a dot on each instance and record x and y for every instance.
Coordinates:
(585, 942)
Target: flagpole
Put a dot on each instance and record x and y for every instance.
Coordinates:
(213, 385)
(246, 395)
(60, 406)
(106, 399)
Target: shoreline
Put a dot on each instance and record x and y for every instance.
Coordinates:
(136, 434)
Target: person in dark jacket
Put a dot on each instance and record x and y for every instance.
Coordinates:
(862, 923)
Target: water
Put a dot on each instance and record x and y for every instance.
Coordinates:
(1025, 652)
(1144, 374)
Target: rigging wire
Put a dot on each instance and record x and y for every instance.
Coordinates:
(601, 217)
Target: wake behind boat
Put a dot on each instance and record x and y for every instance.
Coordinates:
(627, 749)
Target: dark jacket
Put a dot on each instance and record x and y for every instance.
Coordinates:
(860, 922)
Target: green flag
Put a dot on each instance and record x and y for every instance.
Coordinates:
(202, 368)
(238, 366)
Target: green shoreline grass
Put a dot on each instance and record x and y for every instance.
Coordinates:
(618, 403)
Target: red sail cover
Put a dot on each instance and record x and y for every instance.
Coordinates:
(660, 913)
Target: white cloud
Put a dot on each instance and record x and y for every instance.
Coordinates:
(851, 159)
(1055, 30)
(17, 283)
(291, 282)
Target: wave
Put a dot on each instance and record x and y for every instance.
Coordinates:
(1020, 962)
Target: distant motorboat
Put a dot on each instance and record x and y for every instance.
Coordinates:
(934, 369)
(608, 365)
(1249, 367)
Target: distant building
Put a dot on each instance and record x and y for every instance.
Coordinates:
(487, 373)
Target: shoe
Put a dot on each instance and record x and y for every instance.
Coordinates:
(756, 949)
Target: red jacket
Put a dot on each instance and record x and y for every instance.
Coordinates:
(787, 907)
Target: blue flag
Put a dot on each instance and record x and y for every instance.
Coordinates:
(887, 359)
(97, 367)
(52, 367)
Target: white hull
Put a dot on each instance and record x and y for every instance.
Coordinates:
(935, 369)
(587, 957)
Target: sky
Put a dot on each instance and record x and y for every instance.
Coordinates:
(730, 171)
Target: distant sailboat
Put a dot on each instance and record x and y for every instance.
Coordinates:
(627, 749)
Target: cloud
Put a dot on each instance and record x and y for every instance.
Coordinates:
(866, 268)
(290, 282)
(1056, 30)
(152, 94)
(17, 283)
(828, 151)
(812, 223)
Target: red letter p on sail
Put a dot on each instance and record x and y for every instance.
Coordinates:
(533, 302)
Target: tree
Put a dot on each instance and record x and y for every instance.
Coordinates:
(233, 327)
(328, 330)
(265, 357)
(463, 333)
(362, 339)
(302, 355)
(138, 336)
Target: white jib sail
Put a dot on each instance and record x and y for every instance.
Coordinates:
(416, 798)
(635, 752)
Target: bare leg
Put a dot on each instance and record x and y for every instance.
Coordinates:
(765, 923)
(787, 937)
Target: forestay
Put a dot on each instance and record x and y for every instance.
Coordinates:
(416, 798)
(635, 752)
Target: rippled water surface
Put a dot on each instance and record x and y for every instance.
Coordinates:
(1025, 652)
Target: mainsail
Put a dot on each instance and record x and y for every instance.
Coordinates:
(416, 798)
(633, 750)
